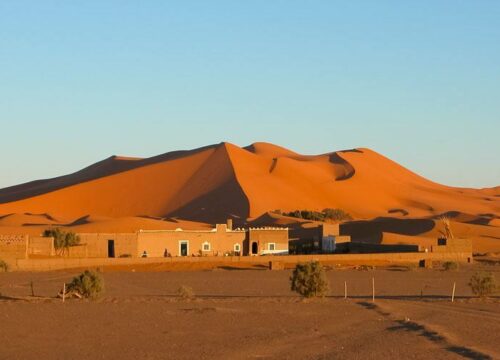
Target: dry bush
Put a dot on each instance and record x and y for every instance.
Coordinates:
(450, 265)
(4, 266)
(365, 267)
(447, 232)
(89, 284)
(309, 280)
(185, 292)
(483, 284)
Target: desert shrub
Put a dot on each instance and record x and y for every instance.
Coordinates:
(327, 214)
(4, 266)
(336, 214)
(125, 255)
(483, 284)
(447, 233)
(365, 267)
(89, 284)
(62, 240)
(185, 292)
(450, 265)
(309, 280)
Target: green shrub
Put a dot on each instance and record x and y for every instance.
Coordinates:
(185, 292)
(89, 284)
(483, 284)
(4, 266)
(327, 214)
(336, 214)
(309, 280)
(62, 240)
(450, 265)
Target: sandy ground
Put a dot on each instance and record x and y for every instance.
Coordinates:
(250, 314)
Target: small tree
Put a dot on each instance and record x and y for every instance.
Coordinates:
(62, 240)
(482, 284)
(89, 284)
(309, 280)
(4, 266)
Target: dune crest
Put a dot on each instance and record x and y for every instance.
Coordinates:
(212, 183)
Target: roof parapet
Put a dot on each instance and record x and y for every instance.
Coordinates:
(267, 228)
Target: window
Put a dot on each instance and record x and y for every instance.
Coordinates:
(206, 246)
(183, 248)
(237, 247)
(271, 246)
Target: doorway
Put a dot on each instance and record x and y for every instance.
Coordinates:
(111, 248)
(255, 248)
(183, 248)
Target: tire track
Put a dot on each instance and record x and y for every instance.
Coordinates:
(419, 329)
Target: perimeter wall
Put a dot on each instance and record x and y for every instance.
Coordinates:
(287, 260)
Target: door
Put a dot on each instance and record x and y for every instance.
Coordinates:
(255, 248)
(111, 248)
(183, 248)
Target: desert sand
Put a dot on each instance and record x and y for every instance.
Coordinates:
(192, 189)
(250, 314)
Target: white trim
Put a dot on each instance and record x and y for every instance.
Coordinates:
(236, 245)
(203, 246)
(274, 252)
(183, 242)
(186, 231)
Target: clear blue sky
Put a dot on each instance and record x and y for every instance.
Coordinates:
(418, 81)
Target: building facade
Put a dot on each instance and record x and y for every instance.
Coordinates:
(222, 240)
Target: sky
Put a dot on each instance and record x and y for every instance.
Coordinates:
(418, 81)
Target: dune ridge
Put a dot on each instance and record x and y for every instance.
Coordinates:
(210, 183)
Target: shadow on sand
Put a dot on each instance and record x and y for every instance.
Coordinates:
(421, 330)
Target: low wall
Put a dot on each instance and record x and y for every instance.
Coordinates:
(365, 248)
(78, 251)
(13, 246)
(96, 244)
(345, 259)
(42, 246)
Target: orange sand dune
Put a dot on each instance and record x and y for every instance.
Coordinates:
(212, 183)
(187, 184)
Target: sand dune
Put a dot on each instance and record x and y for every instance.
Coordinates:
(212, 183)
